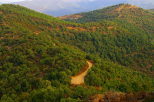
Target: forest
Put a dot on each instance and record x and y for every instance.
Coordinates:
(39, 54)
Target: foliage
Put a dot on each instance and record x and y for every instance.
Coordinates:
(123, 34)
(39, 54)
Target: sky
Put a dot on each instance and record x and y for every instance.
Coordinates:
(142, 3)
(6, 1)
(64, 7)
(9, 1)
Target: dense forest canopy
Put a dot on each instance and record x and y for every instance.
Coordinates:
(39, 54)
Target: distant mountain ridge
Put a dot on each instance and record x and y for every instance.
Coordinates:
(123, 12)
(107, 13)
(62, 7)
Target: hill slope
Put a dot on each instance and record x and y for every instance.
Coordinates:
(116, 40)
(36, 64)
(123, 27)
(123, 13)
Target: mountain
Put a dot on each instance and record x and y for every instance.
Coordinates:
(121, 11)
(126, 13)
(117, 23)
(67, 7)
(123, 14)
(39, 54)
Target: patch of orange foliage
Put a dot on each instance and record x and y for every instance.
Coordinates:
(70, 17)
(110, 27)
(76, 28)
(94, 28)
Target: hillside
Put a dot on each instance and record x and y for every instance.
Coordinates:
(40, 53)
(122, 13)
(123, 34)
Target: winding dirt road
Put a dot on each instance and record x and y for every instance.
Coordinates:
(79, 78)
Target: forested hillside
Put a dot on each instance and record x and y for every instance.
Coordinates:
(40, 53)
(122, 11)
(124, 14)
(122, 33)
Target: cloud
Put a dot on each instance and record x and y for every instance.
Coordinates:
(41, 5)
(79, 0)
(76, 6)
(8, 1)
(60, 4)
(142, 3)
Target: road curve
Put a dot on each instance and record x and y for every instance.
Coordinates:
(79, 78)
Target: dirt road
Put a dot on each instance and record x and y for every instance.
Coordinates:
(79, 78)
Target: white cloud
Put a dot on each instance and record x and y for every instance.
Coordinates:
(8, 1)
(78, 0)
(52, 5)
